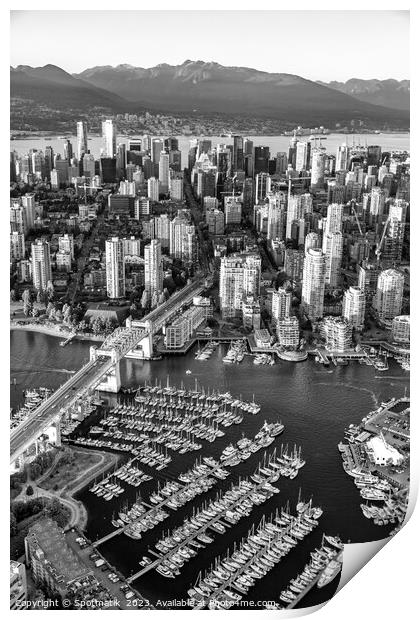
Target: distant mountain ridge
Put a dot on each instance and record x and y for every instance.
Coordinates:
(390, 93)
(198, 88)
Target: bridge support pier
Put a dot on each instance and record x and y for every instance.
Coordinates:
(111, 382)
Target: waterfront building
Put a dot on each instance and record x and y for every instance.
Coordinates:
(18, 585)
(389, 294)
(153, 273)
(337, 332)
(333, 256)
(287, 330)
(81, 140)
(109, 136)
(53, 562)
(281, 304)
(401, 329)
(181, 329)
(354, 305)
(41, 264)
(313, 283)
(115, 268)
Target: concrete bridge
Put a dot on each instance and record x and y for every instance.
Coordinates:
(102, 372)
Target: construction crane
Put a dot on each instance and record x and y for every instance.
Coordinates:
(357, 220)
(378, 250)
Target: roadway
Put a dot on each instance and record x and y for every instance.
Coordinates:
(42, 417)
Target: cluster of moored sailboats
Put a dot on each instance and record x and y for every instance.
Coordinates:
(129, 473)
(172, 418)
(228, 579)
(285, 464)
(323, 566)
(217, 515)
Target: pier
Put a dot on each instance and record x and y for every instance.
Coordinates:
(312, 583)
(67, 340)
(217, 519)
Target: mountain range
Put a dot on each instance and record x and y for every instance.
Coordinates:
(389, 93)
(200, 88)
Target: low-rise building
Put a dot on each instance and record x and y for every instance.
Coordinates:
(337, 332)
(401, 329)
(52, 561)
(288, 332)
(18, 585)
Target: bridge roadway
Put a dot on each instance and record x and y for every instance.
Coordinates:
(162, 313)
(43, 416)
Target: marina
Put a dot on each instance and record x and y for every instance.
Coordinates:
(304, 397)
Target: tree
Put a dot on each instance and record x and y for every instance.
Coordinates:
(27, 302)
(50, 290)
(67, 313)
(35, 312)
(13, 295)
(30, 490)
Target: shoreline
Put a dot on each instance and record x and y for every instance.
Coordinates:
(54, 332)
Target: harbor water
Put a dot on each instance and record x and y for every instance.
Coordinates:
(314, 403)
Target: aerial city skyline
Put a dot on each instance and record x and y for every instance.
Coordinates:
(210, 330)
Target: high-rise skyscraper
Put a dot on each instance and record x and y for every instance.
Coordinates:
(389, 294)
(313, 283)
(164, 172)
(342, 157)
(156, 148)
(115, 268)
(82, 139)
(17, 246)
(239, 277)
(354, 305)
(153, 274)
(109, 136)
(238, 153)
(297, 207)
(318, 167)
(303, 156)
(333, 256)
(41, 264)
(281, 304)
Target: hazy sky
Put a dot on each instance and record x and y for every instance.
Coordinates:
(319, 45)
